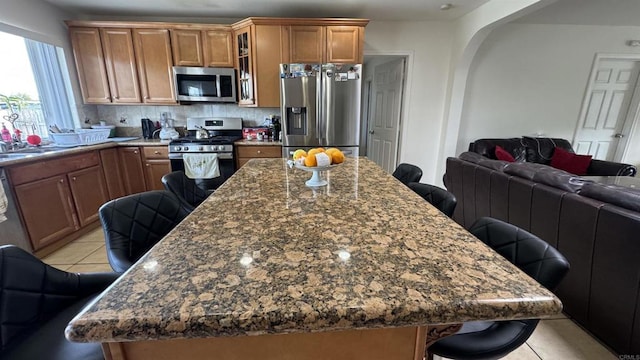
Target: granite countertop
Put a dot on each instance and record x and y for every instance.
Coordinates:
(256, 142)
(51, 151)
(267, 254)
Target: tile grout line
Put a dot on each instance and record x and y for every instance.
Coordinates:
(532, 349)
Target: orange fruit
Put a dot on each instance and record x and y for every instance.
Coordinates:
(310, 160)
(331, 150)
(298, 154)
(337, 157)
(313, 152)
(321, 149)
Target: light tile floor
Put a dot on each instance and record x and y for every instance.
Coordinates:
(556, 338)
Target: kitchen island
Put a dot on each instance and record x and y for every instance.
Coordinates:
(269, 268)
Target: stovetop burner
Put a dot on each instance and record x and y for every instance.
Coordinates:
(216, 140)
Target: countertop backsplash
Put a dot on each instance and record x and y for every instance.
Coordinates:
(127, 117)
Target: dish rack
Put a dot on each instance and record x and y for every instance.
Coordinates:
(81, 137)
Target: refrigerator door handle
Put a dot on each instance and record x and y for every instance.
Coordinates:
(319, 102)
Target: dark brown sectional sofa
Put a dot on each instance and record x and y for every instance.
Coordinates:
(596, 227)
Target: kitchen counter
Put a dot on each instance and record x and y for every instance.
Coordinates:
(266, 254)
(62, 151)
(256, 142)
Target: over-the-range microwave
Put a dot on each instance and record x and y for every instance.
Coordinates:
(204, 84)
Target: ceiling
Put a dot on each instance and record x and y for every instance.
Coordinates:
(587, 12)
(235, 9)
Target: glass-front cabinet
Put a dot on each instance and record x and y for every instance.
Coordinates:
(246, 94)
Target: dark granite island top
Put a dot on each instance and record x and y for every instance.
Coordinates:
(266, 254)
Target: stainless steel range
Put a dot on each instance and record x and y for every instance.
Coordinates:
(209, 135)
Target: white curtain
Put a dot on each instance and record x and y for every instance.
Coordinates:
(48, 74)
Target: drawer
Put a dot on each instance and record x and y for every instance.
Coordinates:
(256, 151)
(45, 168)
(155, 152)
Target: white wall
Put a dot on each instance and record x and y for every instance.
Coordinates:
(527, 79)
(429, 47)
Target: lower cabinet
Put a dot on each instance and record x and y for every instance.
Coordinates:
(112, 173)
(47, 210)
(58, 197)
(156, 165)
(245, 153)
(132, 169)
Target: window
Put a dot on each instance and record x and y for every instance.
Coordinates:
(34, 87)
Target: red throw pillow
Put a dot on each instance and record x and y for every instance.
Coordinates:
(573, 163)
(502, 154)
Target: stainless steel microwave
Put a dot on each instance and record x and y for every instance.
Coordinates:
(204, 84)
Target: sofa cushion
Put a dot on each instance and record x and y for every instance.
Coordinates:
(625, 197)
(493, 164)
(471, 156)
(540, 149)
(504, 155)
(487, 147)
(573, 163)
(546, 175)
(48, 341)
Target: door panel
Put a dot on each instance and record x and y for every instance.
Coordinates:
(385, 111)
(341, 86)
(89, 193)
(87, 51)
(121, 65)
(607, 108)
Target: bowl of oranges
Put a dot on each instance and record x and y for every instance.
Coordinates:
(316, 160)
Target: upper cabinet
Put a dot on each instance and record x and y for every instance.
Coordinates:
(324, 44)
(153, 56)
(218, 47)
(87, 51)
(243, 43)
(187, 47)
(345, 44)
(120, 62)
(306, 44)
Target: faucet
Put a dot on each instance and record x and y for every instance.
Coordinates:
(4, 147)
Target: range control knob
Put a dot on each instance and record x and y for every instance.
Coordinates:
(178, 148)
(221, 147)
(201, 148)
(186, 148)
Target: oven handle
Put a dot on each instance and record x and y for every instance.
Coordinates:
(221, 156)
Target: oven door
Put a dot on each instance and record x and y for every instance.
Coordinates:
(226, 165)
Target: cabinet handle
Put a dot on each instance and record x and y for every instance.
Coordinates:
(135, 151)
(116, 97)
(259, 152)
(61, 181)
(157, 152)
(74, 178)
(148, 165)
(107, 98)
(146, 98)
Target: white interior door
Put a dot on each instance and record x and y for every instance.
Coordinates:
(385, 107)
(608, 105)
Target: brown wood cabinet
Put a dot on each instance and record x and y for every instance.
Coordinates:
(307, 44)
(132, 169)
(89, 59)
(89, 192)
(157, 164)
(57, 197)
(218, 48)
(112, 173)
(187, 47)
(120, 62)
(154, 61)
(258, 51)
(245, 153)
(345, 44)
(47, 210)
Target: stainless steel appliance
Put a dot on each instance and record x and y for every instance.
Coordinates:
(194, 84)
(320, 106)
(11, 230)
(222, 133)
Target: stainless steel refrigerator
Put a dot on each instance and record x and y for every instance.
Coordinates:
(320, 106)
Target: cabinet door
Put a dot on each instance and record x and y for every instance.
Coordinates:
(112, 173)
(155, 170)
(244, 66)
(132, 170)
(47, 210)
(89, 192)
(266, 56)
(344, 44)
(87, 52)
(153, 57)
(218, 48)
(306, 44)
(121, 65)
(187, 47)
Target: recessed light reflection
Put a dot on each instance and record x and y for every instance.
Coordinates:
(245, 260)
(150, 265)
(344, 255)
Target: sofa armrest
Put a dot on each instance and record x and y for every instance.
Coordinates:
(610, 168)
